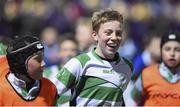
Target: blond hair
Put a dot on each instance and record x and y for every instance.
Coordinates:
(104, 16)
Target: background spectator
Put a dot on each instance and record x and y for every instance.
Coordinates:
(83, 33)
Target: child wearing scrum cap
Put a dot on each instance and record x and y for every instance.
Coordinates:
(21, 78)
(159, 84)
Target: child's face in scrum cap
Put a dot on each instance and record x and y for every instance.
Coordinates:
(170, 49)
(108, 32)
(171, 54)
(25, 57)
(35, 66)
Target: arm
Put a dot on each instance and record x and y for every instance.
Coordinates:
(137, 91)
(66, 79)
(64, 99)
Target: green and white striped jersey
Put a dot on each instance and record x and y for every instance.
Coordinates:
(94, 81)
(50, 73)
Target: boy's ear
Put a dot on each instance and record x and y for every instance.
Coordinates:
(94, 35)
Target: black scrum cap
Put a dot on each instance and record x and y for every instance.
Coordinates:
(20, 50)
(170, 36)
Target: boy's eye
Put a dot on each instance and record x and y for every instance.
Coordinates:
(39, 56)
(166, 48)
(119, 33)
(177, 49)
(108, 32)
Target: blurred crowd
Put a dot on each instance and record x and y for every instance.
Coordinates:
(64, 26)
(142, 17)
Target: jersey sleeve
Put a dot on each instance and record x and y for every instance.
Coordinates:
(137, 91)
(66, 78)
(64, 99)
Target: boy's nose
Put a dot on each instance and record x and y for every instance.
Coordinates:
(42, 63)
(114, 36)
(172, 53)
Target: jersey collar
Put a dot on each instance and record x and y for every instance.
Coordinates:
(117, 57)
(20, 87)
(168, 75)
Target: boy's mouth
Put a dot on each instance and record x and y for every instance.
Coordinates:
(172, 61)
(112, 45)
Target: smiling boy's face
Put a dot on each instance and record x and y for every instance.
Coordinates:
(109, 38)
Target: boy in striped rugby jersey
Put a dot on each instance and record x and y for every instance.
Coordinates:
(99, 77)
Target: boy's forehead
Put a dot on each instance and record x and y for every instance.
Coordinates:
(112, 24)
(39, 53)
(172, 43)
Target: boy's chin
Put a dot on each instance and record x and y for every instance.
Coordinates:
(111, 55)
(173, 66)
(38, 77)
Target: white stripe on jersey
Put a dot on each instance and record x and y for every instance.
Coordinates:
(83, 101)
(59, 85)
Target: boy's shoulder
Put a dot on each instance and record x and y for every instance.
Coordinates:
(4, 66)
(83, 58)
(46, 83)
(151, 68)
(129, 63)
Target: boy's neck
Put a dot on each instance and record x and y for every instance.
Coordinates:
(116, 57)
(29, 81)
(110, 59)
(173, 70)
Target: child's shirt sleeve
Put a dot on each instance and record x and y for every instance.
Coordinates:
(67, 78)
(137, 91)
